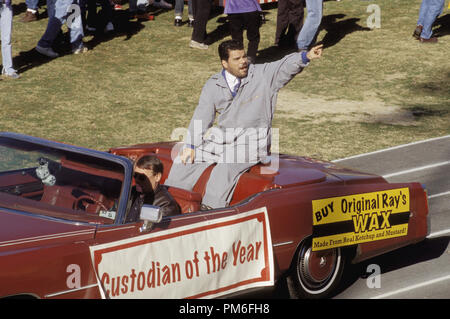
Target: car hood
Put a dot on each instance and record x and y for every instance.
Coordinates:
(309, 170)
(19, 231)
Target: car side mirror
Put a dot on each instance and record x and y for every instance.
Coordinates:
(149, 214)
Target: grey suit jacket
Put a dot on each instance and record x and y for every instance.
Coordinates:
(243, 124)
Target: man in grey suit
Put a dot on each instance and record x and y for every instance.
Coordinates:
(241, 99)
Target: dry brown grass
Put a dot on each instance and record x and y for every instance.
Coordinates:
(372, 88)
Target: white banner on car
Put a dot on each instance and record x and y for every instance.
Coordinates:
(203, 260)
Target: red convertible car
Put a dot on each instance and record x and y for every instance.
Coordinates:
(64, 231)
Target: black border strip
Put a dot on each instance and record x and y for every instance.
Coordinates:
(348, 227)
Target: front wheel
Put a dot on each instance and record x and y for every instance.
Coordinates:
(315, 274)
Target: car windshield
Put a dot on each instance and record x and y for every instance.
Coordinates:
(58, 183)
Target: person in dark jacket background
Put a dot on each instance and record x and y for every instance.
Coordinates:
(289, 19)
(148, 171)
(201, 10)
(245, 15)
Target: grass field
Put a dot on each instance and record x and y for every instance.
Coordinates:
(372, 89)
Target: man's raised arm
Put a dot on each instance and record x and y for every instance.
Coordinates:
(280, 72)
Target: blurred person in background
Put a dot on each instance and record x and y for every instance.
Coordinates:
(428, 13)
(289, 18)
(60, 12)
(6, 21)
(138, 9)
(202, 10)
(179, 8)
(93, 17)
(162, 4)
(32, 13)
(311, 25)
(245, 14)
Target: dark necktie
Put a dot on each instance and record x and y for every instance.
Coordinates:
(236, 88)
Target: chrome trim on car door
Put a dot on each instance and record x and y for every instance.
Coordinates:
(70, 290)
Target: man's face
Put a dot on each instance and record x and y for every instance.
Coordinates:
(147, 179)
(237, 63)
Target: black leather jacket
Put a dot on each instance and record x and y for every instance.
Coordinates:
(161, 198)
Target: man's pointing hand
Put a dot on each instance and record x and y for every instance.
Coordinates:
(315, 52)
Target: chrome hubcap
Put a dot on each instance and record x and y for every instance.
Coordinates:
(316, 268)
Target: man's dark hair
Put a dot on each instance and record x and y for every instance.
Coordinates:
(150, 162)
(228, 45)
